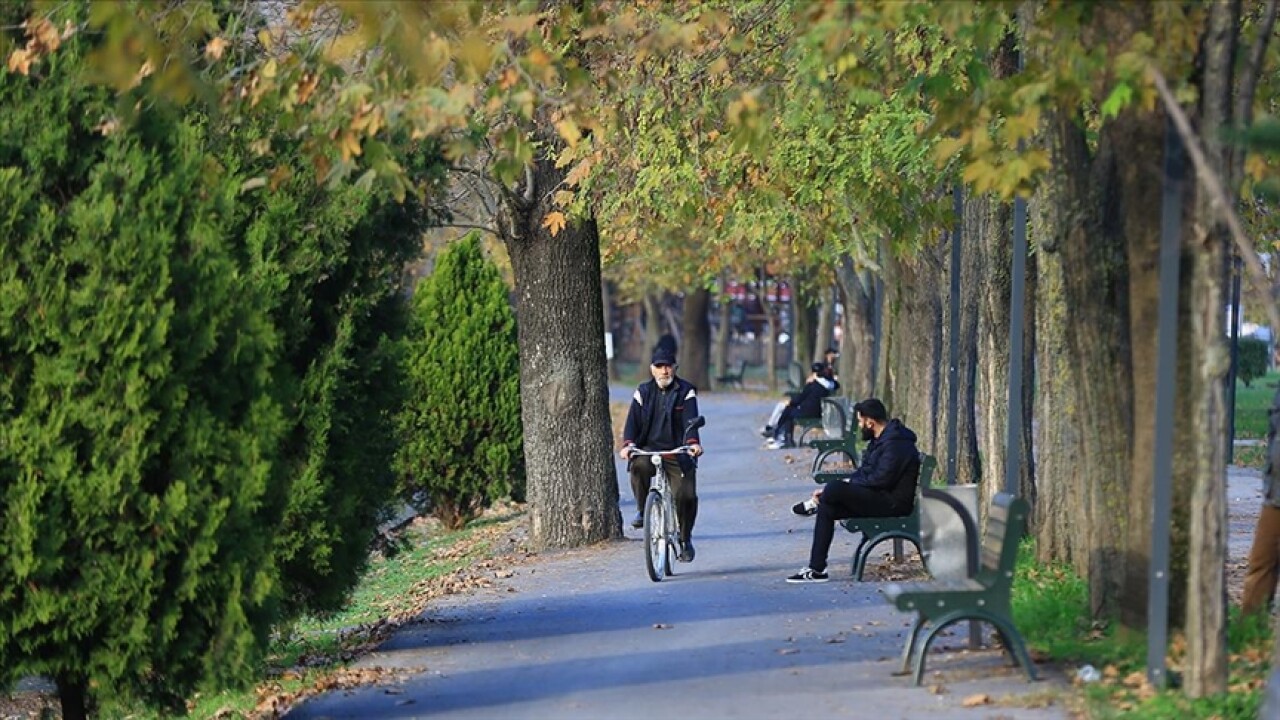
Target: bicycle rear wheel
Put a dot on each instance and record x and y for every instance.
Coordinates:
(657, 558)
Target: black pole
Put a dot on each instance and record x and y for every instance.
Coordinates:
(1166, 384)
(953, 370)
(1236, 264)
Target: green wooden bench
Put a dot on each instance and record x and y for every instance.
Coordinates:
(734, 379)
(983, 595)
(876, 530)
(837, 423)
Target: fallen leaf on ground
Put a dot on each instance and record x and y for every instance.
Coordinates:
(976, 700)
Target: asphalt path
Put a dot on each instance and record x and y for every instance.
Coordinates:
(586, 634)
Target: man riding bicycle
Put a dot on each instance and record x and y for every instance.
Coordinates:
(657, 420)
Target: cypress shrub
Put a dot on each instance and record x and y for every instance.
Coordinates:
(138, 427)
(460, 428)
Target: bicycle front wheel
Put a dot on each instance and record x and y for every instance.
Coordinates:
(656, 551)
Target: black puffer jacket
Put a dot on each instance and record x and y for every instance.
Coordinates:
(887, 465)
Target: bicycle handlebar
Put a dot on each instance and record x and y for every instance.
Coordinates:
(682, 450)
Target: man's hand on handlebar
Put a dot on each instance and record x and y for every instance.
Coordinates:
(695, 449)
(625, 452)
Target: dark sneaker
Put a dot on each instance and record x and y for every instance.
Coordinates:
(687, 554)
(808, 507)
(808, 575)
(638, 520)
(767, 431)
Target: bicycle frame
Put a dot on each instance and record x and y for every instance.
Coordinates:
(661, 526)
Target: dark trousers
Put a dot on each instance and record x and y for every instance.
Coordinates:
(840, 500)
(787, 424)
(684, 489)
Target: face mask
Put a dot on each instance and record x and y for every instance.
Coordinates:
(868, 434)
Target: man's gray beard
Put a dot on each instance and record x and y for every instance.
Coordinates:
(664, 384)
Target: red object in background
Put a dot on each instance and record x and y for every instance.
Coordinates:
(784, 292)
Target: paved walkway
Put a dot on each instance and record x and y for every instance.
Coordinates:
(586, 634)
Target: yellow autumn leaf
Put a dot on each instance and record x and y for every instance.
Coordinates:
(563, 198)
(215, 48)
(579, 172)
(20, 61)
(554, 221)
(349, 145)
(569, 131)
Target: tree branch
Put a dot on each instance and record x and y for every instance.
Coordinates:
(1212, 184)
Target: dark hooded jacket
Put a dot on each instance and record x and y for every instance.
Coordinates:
(891, 464)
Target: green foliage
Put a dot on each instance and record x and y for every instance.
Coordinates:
(1252, 360)
(460, 428)
(199, 381)
(138, 427)
(1050, 607)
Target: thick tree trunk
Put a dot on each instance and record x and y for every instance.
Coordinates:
(992, 222)
(1060, 534)
(1086, 394)
(695, 351)
(858, 344)
(913, 341)
(572, 485)
(971, 260)
(1206, 617)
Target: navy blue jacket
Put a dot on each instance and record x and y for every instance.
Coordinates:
(886, 465)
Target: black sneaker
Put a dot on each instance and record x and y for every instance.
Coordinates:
(808, 575)
(808, 507)
(687, 554)
(638, 520)
(767, 432)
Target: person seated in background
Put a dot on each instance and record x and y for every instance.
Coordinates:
(807, 404)
(830, 357)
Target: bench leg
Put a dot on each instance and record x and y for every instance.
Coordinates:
(911, 643)
(1013, 645)
(1008, 635)
(859, 558)
(863, 553)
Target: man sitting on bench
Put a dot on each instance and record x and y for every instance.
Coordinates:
(882, 485)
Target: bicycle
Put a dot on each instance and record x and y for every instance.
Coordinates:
(661, 526)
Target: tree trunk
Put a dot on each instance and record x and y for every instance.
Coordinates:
(823, 337)
(1056, 516)
(913, 341)
(805, 312)
(858, 344)
(1206, 617)
(695, 351)
(721, 353)
(652, 326)
(1086, 389)
(73, 697)
(572, 484)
